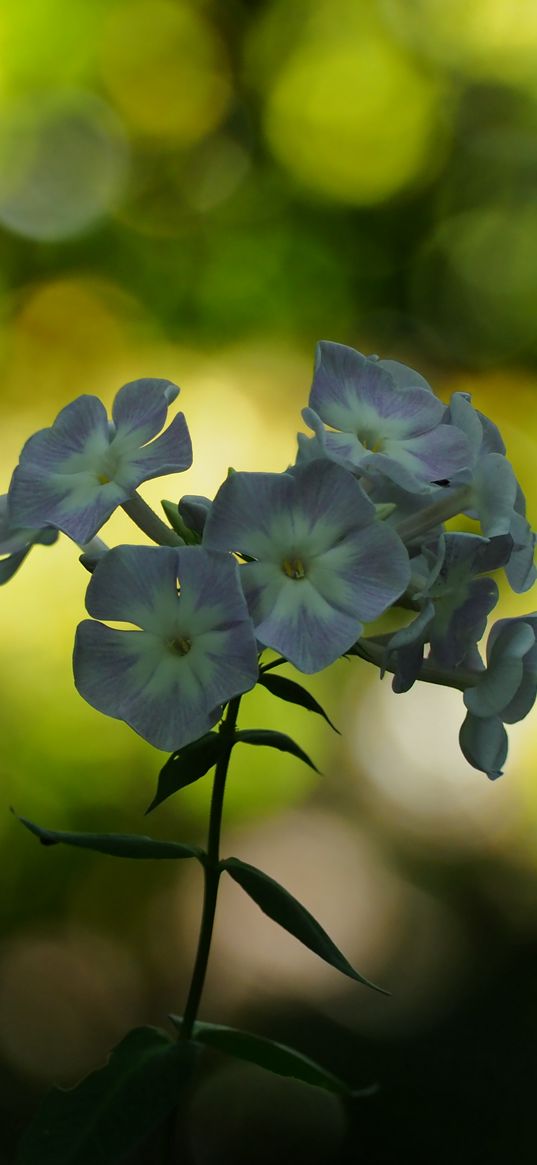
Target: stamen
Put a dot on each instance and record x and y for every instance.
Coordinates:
(181, 645)
(103, 479)
(294, 568)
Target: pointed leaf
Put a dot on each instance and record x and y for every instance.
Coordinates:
(269, 1054)
(186, 766)
(277, 740)
(293, 693)
(190, 538)
(280, 905)
(117, 845)
(105, 1116)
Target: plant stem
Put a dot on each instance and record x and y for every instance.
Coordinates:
(150, 523)
(211, 870)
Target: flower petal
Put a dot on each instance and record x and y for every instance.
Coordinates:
(140, 408)
(136, 584)
(127, 675)
(169, 453)
(484, 743)
(505, 670)
(355, 394)
(292, 617)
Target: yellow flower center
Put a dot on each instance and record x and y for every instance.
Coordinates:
(294, 568)
(371, 441)
(181, 645)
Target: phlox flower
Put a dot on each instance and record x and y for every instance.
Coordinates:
(383, 419)
(321, 563)
(450, 584)
(194, 650)
(75, 473)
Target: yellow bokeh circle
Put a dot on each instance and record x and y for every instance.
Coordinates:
(356, 121)
(166, 69)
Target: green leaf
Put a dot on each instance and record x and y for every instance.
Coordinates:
(268, 1054)
(186, 766)
(117, 845)
(176, 522)
(107, 1115)
(293, 693)
(280, 905)
(277, 740)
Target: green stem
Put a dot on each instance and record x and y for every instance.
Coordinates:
(211, 871)
(274, 663)
(374, 652)
(149, 522)
(448, 506)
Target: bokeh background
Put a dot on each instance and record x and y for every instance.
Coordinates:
(202, 191)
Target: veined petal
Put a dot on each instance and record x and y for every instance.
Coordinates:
(402, 375)
(365, 574)
(136, 584)
(169, 453)
(197, 649)
(252, 512)
(494, 494)
(433, 456)
(140, 408)
(293, 617)
(76, 503)
(355, 394)
(130, 676)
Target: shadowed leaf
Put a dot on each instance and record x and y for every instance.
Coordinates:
(268, 1054)
(107, 1115)
(279, 740)
(293, 693)
(280, 905)
(117, 845)
(186, 766)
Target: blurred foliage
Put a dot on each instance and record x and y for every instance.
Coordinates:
(201, 191)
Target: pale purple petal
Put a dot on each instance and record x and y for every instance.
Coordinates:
(494, 494)
(251, 513)
(77, 503)
(135, 584)
(484, 743)
(293, 618)
(505, 671)
(272, 515)
(169, 453)
(403, 376)
(140, 408)
(435, 456)
(169, 696)
(126, 674)
(355, 394)
(364, 573)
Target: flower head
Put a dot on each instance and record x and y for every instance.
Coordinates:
(321, 565)
(74, 474)
(387, 420)
(195, 648)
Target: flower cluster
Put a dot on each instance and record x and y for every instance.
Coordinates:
(296, 561)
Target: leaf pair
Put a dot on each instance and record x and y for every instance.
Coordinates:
(272, 898)
(109, 1113)
(194, 761)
